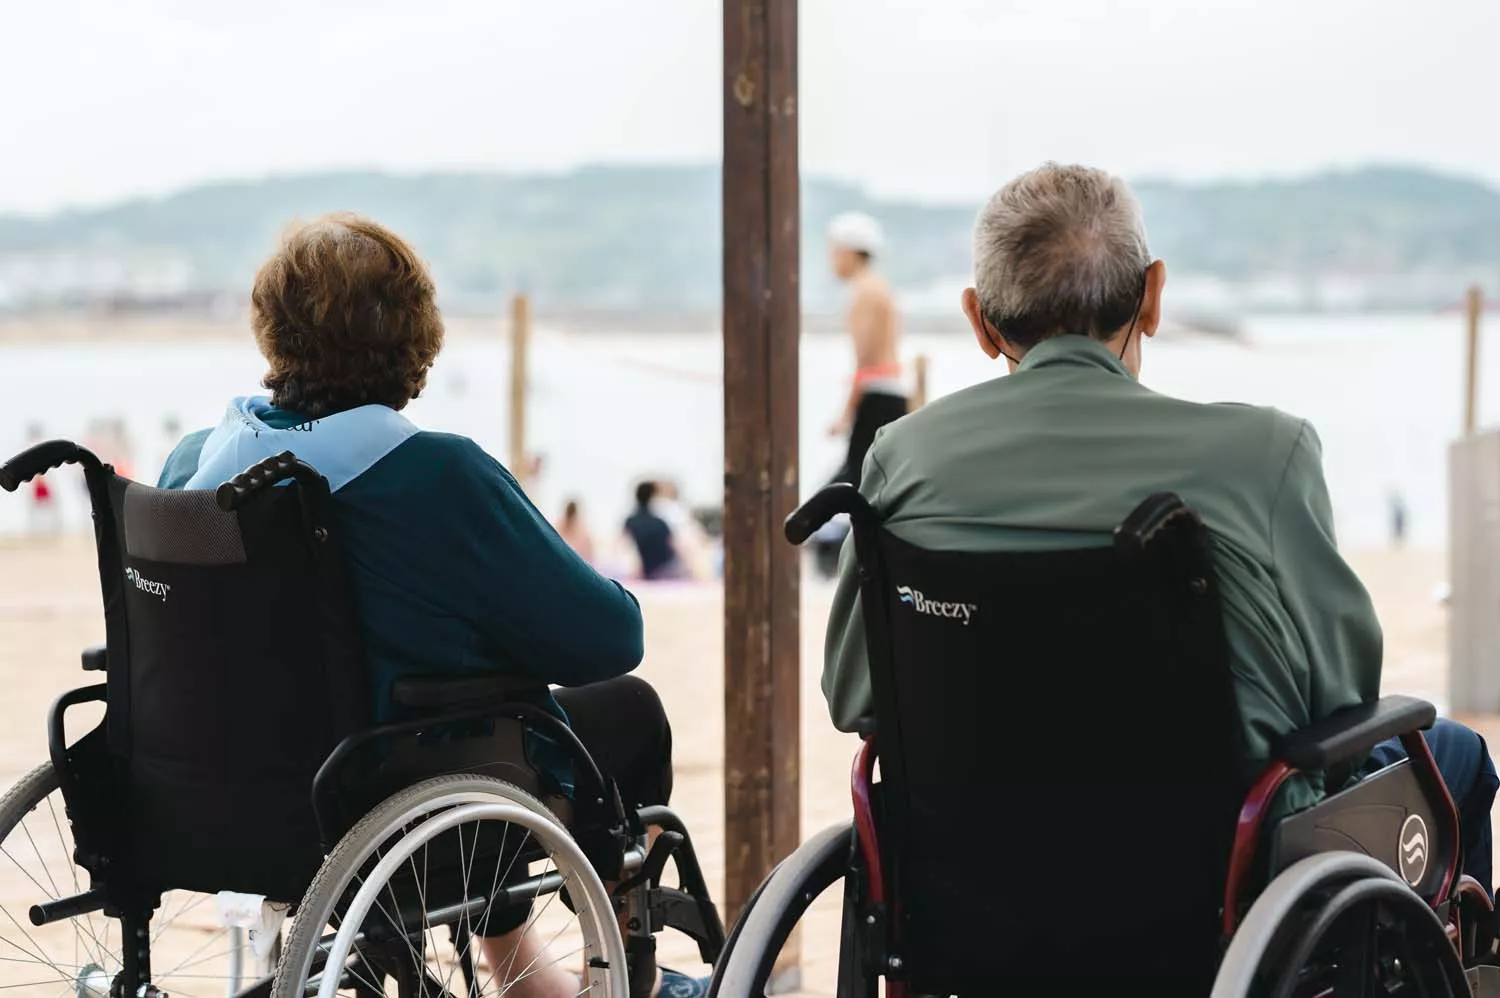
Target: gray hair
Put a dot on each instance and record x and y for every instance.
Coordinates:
(1061, 249)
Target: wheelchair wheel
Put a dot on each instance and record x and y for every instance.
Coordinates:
(191, 953)
(749, 961)
(1345, 924)
(398, 906)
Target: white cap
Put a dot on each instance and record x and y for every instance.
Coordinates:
(856, 231)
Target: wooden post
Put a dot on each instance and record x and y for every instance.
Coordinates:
(1473, 544)
(520, 336)
(1471, 360)
(919, 395)
(762, 680)
(1473, 573)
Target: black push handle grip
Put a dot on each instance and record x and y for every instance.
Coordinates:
(827, 503)
(39, 460)
(272, 471)
(1150, 518)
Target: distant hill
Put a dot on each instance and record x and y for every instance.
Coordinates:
(647, 238)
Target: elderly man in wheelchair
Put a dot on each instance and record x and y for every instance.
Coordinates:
(1122, 690)
(331, 640)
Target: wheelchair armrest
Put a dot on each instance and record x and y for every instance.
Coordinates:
(96, 659)
(1348, 735)
(457, 692)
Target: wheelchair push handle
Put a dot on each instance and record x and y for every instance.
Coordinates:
(825, 504)
(272, 471)
(1156, 514)
(40, 459)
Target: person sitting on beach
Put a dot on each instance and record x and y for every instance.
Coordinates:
(688, 536)
(1063, 449)
(651, 535)
(575, 532)
(44, 517)
(452, 567)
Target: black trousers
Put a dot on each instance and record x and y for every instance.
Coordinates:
(624, 727)
(875, 409)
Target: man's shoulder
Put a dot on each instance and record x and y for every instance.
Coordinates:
(1242, 433)
(1244, 414)
(1278, 431)
(872, 289)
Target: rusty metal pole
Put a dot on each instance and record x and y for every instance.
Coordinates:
(762, 317)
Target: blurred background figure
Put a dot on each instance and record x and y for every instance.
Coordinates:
(575, 531)
(43, 517)
(171, 434)
(122, 447)
(689, 538)
(652, 537)
(1398, 519)
(877, 395)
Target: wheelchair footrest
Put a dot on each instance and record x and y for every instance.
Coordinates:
(676, 909)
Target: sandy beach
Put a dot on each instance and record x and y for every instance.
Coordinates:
(49, 610)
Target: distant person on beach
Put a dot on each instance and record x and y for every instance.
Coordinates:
(121, 449)
(1398, 520)
(573, 530)
(652, 536)
(1066, 294)
(877, 393)
(694, 549)
(453, 568)
(43, 517)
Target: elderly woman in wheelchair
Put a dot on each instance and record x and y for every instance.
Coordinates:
(331, 640)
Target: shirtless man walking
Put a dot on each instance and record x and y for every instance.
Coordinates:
(878, 394)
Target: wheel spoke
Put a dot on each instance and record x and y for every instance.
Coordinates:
(535, 917)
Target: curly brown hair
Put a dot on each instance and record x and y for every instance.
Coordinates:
(345, 313)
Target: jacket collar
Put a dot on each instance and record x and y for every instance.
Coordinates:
(1071, 350)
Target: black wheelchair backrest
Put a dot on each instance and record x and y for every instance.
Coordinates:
(234, 668)
(1058, 745)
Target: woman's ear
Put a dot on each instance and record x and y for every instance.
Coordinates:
(976, 321)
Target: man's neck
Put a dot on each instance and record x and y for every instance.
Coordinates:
(1115, 344)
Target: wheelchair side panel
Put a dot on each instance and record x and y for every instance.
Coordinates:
(1384, 816)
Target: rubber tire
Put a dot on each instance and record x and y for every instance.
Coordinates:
(778, 903)
(356, 847)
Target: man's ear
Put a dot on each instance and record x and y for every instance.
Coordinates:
(976, 320)
(1156, 279)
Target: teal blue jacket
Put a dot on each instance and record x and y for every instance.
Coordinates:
(455, 571)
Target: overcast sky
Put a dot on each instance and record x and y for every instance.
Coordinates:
(939, 99)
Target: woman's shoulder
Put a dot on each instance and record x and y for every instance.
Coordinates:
(182, 463)
(444, 460)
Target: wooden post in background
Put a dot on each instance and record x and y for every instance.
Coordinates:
(762, 676)
(1474, 310)
(1473, 544)
(520, 337)
(919, 394)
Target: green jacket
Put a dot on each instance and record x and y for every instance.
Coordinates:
(1058, 453)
